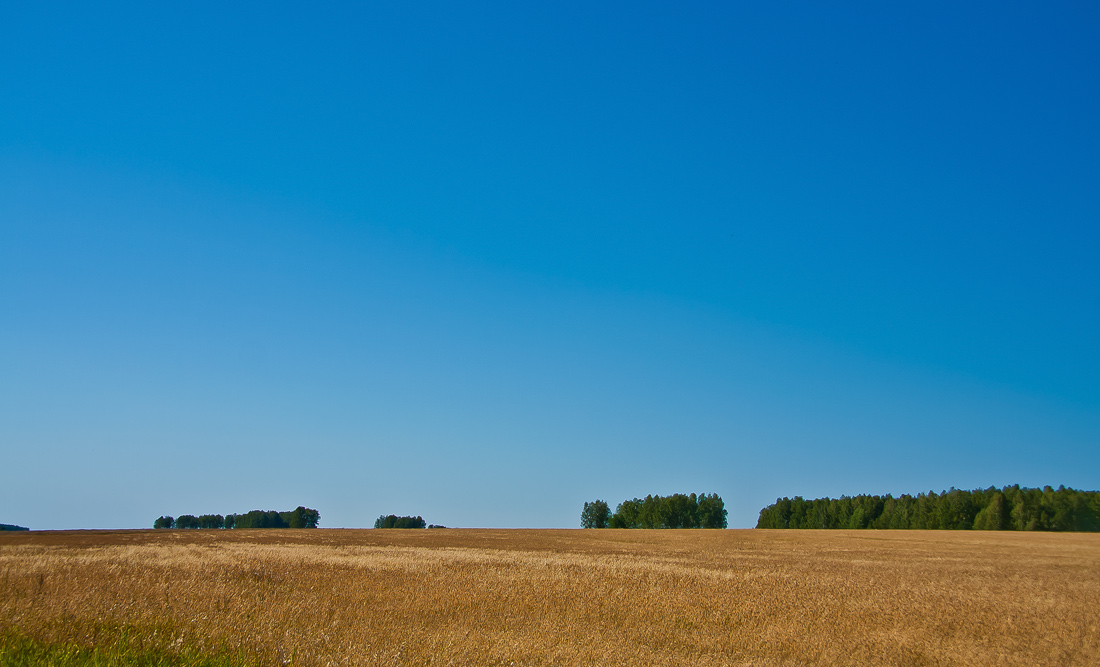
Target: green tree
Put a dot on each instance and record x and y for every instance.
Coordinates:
(679, 511)
(627, 514)
(187, 521)
(393, 521)
(260, 519)
(164, 522)
(211, 521)
(1010, 508)
(711, 511)
(302, 517)
(651, 514)
(595, 514)
(993, 516)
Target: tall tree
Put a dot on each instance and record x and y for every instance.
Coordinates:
(595, 514)
(711, 511)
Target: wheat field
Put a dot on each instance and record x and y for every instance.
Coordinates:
(564, 597)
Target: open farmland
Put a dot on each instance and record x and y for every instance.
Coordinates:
(564, 597)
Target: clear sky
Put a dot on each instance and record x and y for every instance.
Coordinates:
(485, 262)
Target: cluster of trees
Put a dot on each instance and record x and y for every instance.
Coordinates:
(392, 521)
(302, 517)
(8, 526)
(676, 511)
(192, 521)
(1008, 508)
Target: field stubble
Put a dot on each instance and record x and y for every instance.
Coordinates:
(561, 597)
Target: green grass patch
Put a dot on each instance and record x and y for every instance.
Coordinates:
(19, 650)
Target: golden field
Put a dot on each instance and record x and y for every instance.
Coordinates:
(565, 597)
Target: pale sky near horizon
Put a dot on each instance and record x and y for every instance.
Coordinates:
(484, 262)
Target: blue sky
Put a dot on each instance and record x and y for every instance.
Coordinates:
(485, 262)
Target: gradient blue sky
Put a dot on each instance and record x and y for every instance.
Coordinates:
(484, 262)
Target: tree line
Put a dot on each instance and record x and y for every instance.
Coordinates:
(302, 517)
(392, 521)
(8, 526)
(676, 511)
(1008, 508)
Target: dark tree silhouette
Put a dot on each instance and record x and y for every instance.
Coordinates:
(302, 517)
(393, 521)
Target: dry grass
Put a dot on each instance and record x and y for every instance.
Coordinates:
(542, 597)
